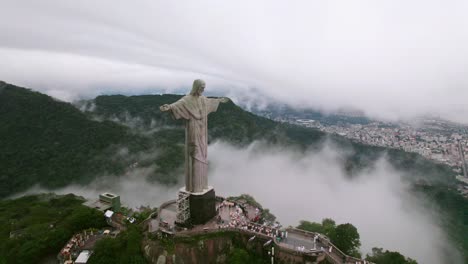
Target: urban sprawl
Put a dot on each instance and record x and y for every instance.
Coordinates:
(442, 145)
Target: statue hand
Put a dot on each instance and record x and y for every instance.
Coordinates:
(164, 108)
(224, 100)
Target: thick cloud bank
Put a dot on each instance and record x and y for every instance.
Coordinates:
(313, 186)
(391, 59)
(133, 188)
(307, 187)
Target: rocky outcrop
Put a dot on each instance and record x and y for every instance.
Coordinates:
(215, 248)
(211, 250)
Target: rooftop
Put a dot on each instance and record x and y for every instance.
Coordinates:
(110, 195)
(98, 204)
(83, 257)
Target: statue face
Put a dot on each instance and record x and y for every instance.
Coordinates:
(198, 87)
(201, 89)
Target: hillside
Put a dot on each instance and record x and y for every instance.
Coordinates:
(52, 143)
(34, 227)
(278, 110)
(232, 124)
(48, 142)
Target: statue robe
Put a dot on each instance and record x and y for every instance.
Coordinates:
(194, 110)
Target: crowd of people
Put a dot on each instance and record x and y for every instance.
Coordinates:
(238, 219)
(76, 244)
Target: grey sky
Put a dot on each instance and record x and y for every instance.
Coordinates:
(391, 59)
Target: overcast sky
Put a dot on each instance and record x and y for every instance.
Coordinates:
(391, 59)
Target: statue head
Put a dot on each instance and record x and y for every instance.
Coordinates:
(198, 87)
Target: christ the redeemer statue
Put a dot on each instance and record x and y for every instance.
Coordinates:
(194, 108)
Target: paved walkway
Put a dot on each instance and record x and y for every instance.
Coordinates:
(301, 243)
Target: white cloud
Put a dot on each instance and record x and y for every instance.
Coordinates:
(313, 186)
(392, 59)
(310, 187)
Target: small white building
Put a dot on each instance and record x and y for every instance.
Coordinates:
(108, 214)
(83, 257)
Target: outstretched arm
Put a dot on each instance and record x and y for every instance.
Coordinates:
(177, 110)
(223, 100)
(212, 103)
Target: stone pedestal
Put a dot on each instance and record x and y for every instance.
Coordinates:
(202, 206)
(195, 208)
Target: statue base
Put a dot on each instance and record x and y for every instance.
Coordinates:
(195, 208)
(202, 206)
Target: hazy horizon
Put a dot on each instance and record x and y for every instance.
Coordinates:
(390, 59)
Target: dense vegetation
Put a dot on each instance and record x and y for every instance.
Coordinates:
(41, 225)
(346, 238)
(380, 256)
(343, 236)
(455, 212)
(125, 248)
(242, 256)
(237, 253)
(51, 143)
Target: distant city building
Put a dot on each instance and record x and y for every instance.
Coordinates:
(437, 140)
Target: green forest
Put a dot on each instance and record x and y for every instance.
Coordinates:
(41, 225)
(51, 143)
(346, 238)
(125, 248)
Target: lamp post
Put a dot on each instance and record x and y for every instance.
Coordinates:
(272, 254)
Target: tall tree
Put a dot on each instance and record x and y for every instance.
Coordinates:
(388, 257)
(347, 239)
(311, 226)
(328, 226)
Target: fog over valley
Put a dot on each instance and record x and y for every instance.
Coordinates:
(311, 186)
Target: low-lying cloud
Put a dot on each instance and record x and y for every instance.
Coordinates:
(133, 188)
(306, 186)
(392, 58)
(314, 186)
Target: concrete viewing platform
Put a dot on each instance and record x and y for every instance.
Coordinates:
(233, 217)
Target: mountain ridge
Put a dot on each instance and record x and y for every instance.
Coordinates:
(64, 145)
